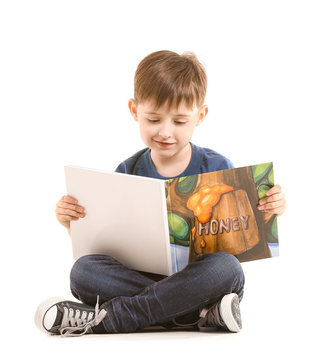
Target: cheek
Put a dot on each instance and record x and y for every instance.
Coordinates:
(146, 131)
(186, 133)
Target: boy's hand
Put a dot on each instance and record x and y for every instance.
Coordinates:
(274, 202)
(67, 209)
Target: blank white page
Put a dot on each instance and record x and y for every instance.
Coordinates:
(126, 218)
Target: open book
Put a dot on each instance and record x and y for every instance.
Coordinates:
(159, 226)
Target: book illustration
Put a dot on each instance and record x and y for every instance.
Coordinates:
(224, 226)
(218, 211)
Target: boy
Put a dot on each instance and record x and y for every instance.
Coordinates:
(169, 93)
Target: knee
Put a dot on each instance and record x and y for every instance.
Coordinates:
(80, 270)
(83, 275)
(228, 271)
(221, 260)
(225, 263)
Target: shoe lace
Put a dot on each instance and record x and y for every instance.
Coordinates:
(73, 324)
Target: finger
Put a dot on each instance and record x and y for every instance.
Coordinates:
(272, 198)
(65, 205)
(275, 189)
(275, 210)
(61, 212)
(272, 205)
(69, 199)
(69, 218)
(269, 206)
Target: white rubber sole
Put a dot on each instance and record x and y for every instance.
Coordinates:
(225, 310)
(42, 310)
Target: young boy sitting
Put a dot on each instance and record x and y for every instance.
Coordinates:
(169, 93)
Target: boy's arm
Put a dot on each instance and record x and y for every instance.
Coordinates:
(274, 202)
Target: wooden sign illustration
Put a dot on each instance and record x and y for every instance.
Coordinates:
(218, 211)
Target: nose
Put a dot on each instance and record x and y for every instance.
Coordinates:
(165, 130)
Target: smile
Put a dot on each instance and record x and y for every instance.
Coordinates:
(163, 144)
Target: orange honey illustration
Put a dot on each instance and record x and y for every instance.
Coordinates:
(224, 221)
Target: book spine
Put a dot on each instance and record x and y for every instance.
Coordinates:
(172, 246)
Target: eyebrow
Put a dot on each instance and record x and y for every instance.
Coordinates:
(154, 113)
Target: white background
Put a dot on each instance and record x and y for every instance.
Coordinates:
(66, 74)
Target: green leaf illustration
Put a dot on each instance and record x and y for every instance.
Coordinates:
(262, 189)
(178, 226)
(171, 238)
(259, 171)
(186, 184)
(271, 177)
(274, 228)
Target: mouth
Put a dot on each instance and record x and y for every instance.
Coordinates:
(163, 144)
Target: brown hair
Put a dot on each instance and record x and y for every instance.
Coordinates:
(165, 76)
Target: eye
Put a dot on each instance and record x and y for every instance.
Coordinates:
(180, 122)
(153, 120)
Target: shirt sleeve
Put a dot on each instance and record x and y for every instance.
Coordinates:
(121, 168)
(229, 164)
(213, 161)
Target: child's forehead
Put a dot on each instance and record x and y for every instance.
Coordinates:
(151, 107)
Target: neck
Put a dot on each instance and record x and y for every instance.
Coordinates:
(174, 165)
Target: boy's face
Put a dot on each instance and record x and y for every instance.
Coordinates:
(166, 131)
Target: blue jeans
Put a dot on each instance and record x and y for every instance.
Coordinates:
(134, 301)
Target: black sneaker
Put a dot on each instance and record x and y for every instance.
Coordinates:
(58, 316)
(225, 315)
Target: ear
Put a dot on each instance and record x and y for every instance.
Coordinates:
(202, 114)
(133, 109)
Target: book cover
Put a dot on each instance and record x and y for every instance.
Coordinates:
(217, 211)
